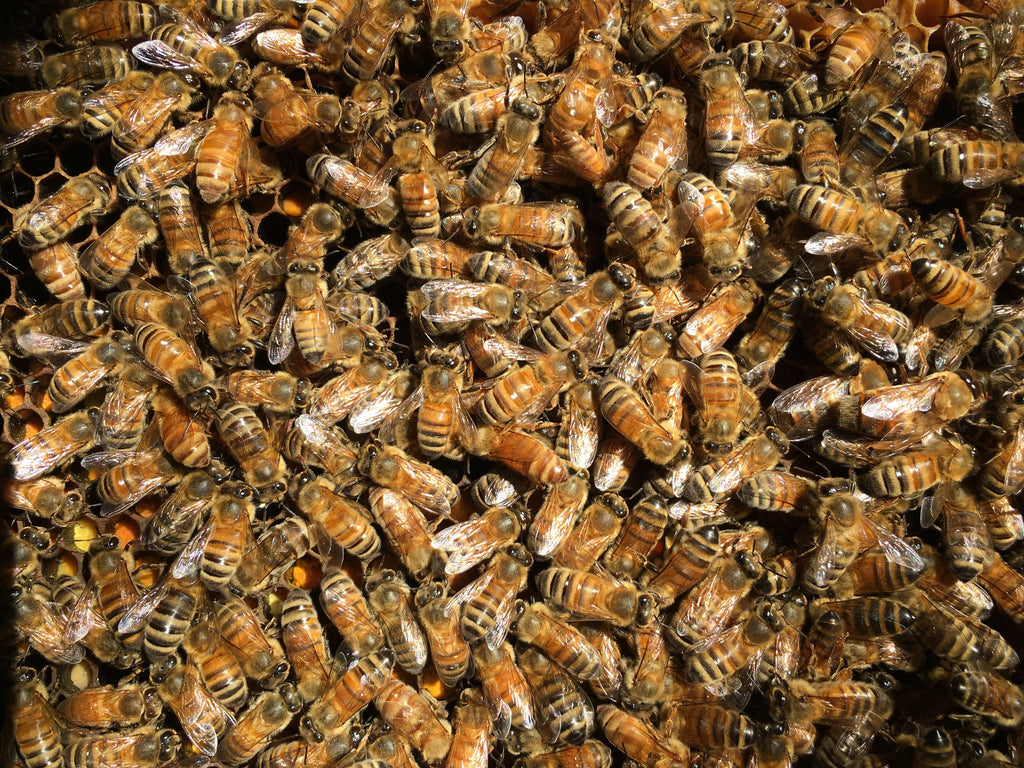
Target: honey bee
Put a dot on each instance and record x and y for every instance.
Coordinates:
(717, 388)
(177, 363)
(374, 42)
(266, 715)
(391, 599)
(277, 393)
(883, 413)
(109, 258)
(370, 261)
(35, 456)
(448, 650)
(345, 521)
(443, 423)
(592, 595)
(146, 119)
(516, 132)
(106, 707)
(522, 452)
(978, 164)
(686, 564)
(346, 607)
(218, 667)
(218, 548)
(325, 18)
(56, 266)
(537, 625)
(229, 232)
(276, 550)
(591, 754)
(503, 685)
(775, 328)
(554, 521)
(871, 616)
(287, 47)
(390, 467)
(725, 585)
(182, 434)
(90, 365)
(67, 319)
(227, 159)
(562, 710)
(94, 66)
(417, 717)
(638, 740)
(183, 46)
(104, 107)
(579, 320)
(81, 199)
(107, 21)
(846, 531)
(472, 541)
(202, 717)
(211, 293)
(35, 619)
(348, 694)
(262, 657)
(846, 221)
(144, 173)
(488, 602)
(725, 474)
(27, 114)
(709, 726)
(580, 432)
(598, 526)
(165, 612)
(643, 529)
(406, 530)
(989, 695)
(875, 326)
(471, 741)
(35, 727)
(832, 701)
(304, 643)
(872, 143)
(311, 443)
(430, 259)
(548, 225)
(974, 56)
(719, 315)
(642, 228)
(661, 147)
(305, 320)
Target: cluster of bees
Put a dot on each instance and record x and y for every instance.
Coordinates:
(630, 383)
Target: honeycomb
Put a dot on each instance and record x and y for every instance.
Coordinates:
(829, 580)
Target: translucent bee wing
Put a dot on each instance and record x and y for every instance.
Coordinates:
(242, 30)
(47, 346)
(983, 178)
(82, 618)
(465, 545)
(582, 427)
(188, 560)
(282, 338)
(895, 548)
(369, 412)
(875, 343)
(193, 714)
(892, 403)
(157, 53)
(462, 309)
(826, 243)
(495, 636)
(138, 614)
(692, 385)
(825, 559)
(40, 126)
(502, 347)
